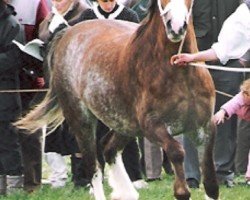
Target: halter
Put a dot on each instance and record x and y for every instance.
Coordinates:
(167, 8)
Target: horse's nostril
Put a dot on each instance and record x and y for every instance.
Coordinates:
(169, 24)
(185, 26)
(183, 29)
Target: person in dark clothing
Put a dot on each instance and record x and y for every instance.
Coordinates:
(110, 9)
(30, 78)
(227, 50)
(11, 168)
(61, 142)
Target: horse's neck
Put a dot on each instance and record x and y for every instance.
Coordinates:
(153, 42)
(190, 44)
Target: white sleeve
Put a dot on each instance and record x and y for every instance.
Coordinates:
(234, 38)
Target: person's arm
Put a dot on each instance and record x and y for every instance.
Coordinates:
(229, 108)
(219, 117)
(9, 52)
(184, 58)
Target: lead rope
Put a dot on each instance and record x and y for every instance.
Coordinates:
(188, 17)
(194, 64)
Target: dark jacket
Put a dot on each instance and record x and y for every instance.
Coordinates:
(126, 14)
(221, 9)
(202, 23)
(10, 104)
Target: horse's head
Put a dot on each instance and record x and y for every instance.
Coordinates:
(175, 15)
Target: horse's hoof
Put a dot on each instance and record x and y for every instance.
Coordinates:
(117, 196)
(209, 198)
(188, 199)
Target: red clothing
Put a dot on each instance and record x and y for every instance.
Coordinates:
(237, 105)
(31, 17)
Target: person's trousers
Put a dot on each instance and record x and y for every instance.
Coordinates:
(248, 168)
(243, 146)
(10, 151)
(153, 159)
(225, 143)
(191, 160)
(32, 159)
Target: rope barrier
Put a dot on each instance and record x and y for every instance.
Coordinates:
(24, 90)
(224, 94)
(221, 68)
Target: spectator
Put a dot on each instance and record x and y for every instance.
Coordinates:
(239, 105)
(11, 169)
(228, 48)
(31, 78)
(248, 171)
(202, 27)
(243, 129)
(61, 142)
(110, 9)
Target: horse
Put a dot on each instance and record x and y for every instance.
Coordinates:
(120, 73)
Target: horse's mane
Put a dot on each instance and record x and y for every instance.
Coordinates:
(152, 5)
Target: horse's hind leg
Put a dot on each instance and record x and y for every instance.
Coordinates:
(208, 168)
(83, 125)
(122, 186)
(93, 172)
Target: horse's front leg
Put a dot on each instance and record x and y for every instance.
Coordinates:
(159, 134)
(208, 168)
(123, 189)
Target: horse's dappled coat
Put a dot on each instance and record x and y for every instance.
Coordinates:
(119, 72)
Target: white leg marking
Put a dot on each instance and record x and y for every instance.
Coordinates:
(123, 188)
(97, 186)
(208, 198)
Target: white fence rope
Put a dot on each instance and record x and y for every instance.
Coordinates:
(221, 68)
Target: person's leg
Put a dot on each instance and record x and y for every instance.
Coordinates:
(225, 144)
(248, 170)
(58, 167)
(191, 163)
(243, 146)
(32, 160)
(10, 156)
(153, 160)
(3, 185)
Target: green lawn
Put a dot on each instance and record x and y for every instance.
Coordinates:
(157, 190)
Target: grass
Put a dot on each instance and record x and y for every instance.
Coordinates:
(158, 190)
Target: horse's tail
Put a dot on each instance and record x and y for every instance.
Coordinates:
(50, 48)
(48, 112)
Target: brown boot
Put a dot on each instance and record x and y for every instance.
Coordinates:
(2, 185)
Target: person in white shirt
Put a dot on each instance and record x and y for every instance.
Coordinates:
(233, 41)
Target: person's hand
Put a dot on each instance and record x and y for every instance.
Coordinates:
(181, 59)
(219, 117)
(40, 82)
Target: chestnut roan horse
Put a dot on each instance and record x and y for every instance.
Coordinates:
(120, 72)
